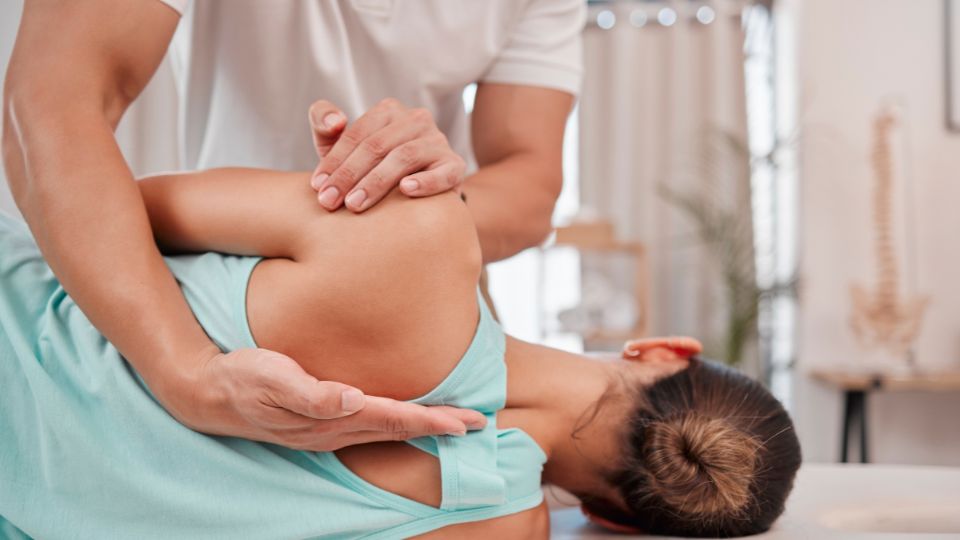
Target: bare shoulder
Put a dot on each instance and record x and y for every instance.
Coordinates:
(529, 524)
(402, 227)
(384, 300)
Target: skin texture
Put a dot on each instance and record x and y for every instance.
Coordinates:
(422, 325)
(517, 134)
(64, 94)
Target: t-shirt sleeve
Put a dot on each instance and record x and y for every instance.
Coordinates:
(178, 5)
(545, 47)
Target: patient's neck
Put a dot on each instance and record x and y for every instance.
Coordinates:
(573, 406)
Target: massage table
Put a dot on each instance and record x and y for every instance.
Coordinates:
(832, 501)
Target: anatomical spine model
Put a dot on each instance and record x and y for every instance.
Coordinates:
(881, 317)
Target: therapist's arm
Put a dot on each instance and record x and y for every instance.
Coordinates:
(517, 134)
(75, 68)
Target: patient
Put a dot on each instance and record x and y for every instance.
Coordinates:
(385, 301)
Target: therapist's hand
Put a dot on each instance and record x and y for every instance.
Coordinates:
(266, 396)
(389, 145)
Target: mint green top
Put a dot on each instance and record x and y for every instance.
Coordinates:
(87, 452)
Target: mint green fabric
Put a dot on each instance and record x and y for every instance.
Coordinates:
(87, 452)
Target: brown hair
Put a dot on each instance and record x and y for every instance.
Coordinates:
(709, 452)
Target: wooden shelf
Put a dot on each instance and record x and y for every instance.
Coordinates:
(594, 236)
(600, 236)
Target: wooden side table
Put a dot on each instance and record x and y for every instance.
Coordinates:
(856, 388)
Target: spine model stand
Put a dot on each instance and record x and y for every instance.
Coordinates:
(881, 318)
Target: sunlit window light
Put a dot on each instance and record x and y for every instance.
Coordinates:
(667, 16)
(606, 19)
(638, 18)
(706, 15)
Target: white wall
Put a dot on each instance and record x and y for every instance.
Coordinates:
(853, 55)
(9, 19)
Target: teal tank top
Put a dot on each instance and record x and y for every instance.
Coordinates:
(87, 452)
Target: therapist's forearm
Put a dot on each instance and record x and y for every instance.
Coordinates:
(64, 93)
(517, 134)
(512, 203)
(72, 185)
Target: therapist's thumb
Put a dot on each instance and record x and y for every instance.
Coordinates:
(322, 400)
(326, 123)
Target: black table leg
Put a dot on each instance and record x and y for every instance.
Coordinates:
(847, 419)
(854, 412)
(864, 456)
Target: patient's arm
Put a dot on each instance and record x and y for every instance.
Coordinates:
(234, 210)
(384, 301)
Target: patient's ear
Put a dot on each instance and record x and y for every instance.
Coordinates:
(661, 348)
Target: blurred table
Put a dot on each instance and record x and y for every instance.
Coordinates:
(856, 387)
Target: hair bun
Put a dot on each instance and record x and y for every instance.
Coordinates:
(700, 465)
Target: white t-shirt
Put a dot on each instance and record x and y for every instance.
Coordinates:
(248, 70)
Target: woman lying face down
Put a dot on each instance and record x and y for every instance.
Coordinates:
(657, 441)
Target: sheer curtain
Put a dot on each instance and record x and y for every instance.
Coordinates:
(664, 83)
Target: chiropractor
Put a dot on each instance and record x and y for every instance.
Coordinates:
(382, 81)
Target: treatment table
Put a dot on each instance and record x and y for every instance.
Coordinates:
(832, 501)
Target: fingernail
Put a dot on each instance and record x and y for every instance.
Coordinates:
(459, 433)
(355, 199)
(477, 424)
(328, 199)
(332, 120)
(318, 180)
(351, 400)
(409, 185)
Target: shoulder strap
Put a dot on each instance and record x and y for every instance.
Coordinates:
(468, 467)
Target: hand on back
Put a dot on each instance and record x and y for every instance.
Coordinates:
(389, 145)
(265, 396)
